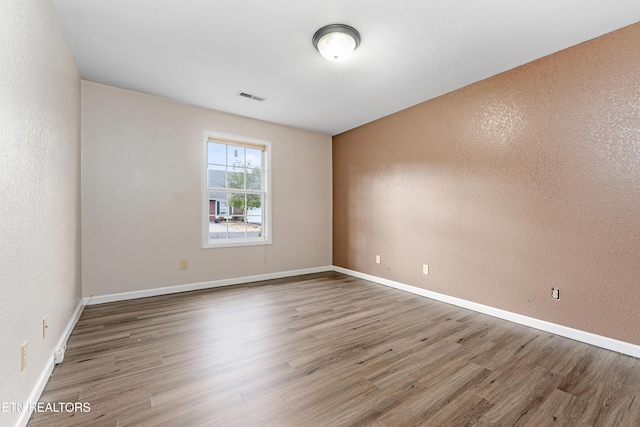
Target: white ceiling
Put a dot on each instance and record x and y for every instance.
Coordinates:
(203, 52)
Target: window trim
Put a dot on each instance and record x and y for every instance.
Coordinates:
(209, 136)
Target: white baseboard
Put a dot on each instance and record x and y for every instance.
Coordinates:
(575, 334)
(101, 299)
(36, 392)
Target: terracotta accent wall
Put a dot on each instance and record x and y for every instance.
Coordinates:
(508, 187)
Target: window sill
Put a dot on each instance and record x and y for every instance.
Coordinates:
(235, 244)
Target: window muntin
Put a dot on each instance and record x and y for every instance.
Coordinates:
(237, 197)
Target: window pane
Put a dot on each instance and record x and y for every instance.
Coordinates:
(217, 153)
(255, 212)
(217, 176)
(223, 208)
(254, 222)
(254, 179)
(237, 227)
(213, 207)
(237, 203)
(235, 178)
(254, 158)
(217, 227)
(235, 156)
(216, 202)
(254, 201)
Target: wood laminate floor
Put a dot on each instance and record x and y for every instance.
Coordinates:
(329, 350)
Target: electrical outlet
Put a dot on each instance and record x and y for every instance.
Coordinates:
(184, 264)
(377, 259)
(45, 326)
(425, 268)
(23, 356)
(555, 293)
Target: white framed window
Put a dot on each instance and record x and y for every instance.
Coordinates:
(236, 191)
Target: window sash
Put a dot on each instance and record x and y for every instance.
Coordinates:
(236, 143)
(249, 216)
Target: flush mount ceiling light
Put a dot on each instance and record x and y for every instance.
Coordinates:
(336, 41)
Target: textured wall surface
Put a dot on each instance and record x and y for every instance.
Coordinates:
(39, 191)
(508, 187)
(141, 188)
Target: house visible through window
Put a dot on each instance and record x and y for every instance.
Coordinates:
(237, 193)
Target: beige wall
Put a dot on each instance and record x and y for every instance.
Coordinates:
(39, 191)
(141, 187)
(508, 187)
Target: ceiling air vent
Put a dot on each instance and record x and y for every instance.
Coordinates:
(248, 95)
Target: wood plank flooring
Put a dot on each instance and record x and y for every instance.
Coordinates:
(329, 350)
